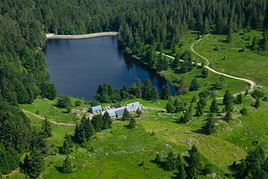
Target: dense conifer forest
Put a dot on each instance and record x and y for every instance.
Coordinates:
(143, 26)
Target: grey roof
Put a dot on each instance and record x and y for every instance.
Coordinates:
(116, 112)
(97, 109)
(133, 106)
(119, 112)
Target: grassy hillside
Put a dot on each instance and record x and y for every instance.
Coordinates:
(117, 152)
(129, 153)
(236, 58)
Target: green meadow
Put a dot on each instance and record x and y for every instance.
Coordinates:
(236, 58)
(117, 152)
(129, 153)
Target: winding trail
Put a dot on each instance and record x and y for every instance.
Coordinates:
(252, 84)
(51, 121)
(152, 108)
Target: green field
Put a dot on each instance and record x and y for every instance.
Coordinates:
(48, 109)
(188, 39)
(117, 152)
(234, 86)
(228, 57)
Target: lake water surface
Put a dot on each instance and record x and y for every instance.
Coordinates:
(77, 67)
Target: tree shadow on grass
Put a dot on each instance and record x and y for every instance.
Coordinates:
(175, 175)
(59, 169)
(160, 164)
(199, 131)
(199, 76)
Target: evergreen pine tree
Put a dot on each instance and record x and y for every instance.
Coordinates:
(126, 115)
(170, 162)
(187, 116)
(33, 164)
(247, 92)
(230, 33)
(257, 103)
(194, 85)
(194, 99)
(67, 145)
(214, 106)
(228, 116)
(89, 128)
(158, 158)
(179, 161)
(194, 163)
(64, 102)
(200, 107)
(199, 110)
(204, 72)
(228, 101)
(244, 111)
(139, 113)
(165, 93)
(107, 121)
(149, 92)
(154, 94)
(227, 97)
(46, 129)
(254, 44)
(182, 87)
(79, 134)
(181, 173)
(97, 122)
(228, 107)
(239, 99)
(179, 106)
(67, 165)
(265, 40)
(206, 28)
(132, 123)
(137, 89)
(170, 106)
(209, 128)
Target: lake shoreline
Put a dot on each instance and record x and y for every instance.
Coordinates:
(114, 67)
(52, 36)
(77, 37)
(139, 61)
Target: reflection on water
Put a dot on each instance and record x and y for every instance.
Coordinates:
(77, 67)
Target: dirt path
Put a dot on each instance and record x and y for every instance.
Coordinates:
(252, 84)
(51, 121)
(151, 108)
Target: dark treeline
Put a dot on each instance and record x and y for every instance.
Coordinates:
(23, 76)
(254, 166)
(143, 25)
(146, 90)
(163, 24)
(159, 22)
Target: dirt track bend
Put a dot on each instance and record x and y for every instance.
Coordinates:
(51, 121)
(252, 84)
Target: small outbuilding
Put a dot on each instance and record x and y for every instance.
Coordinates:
(132, 107)
(117, 112)
(96, 109)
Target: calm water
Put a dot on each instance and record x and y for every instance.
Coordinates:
(77, 67)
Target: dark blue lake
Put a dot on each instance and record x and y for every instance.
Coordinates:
(77, 67)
